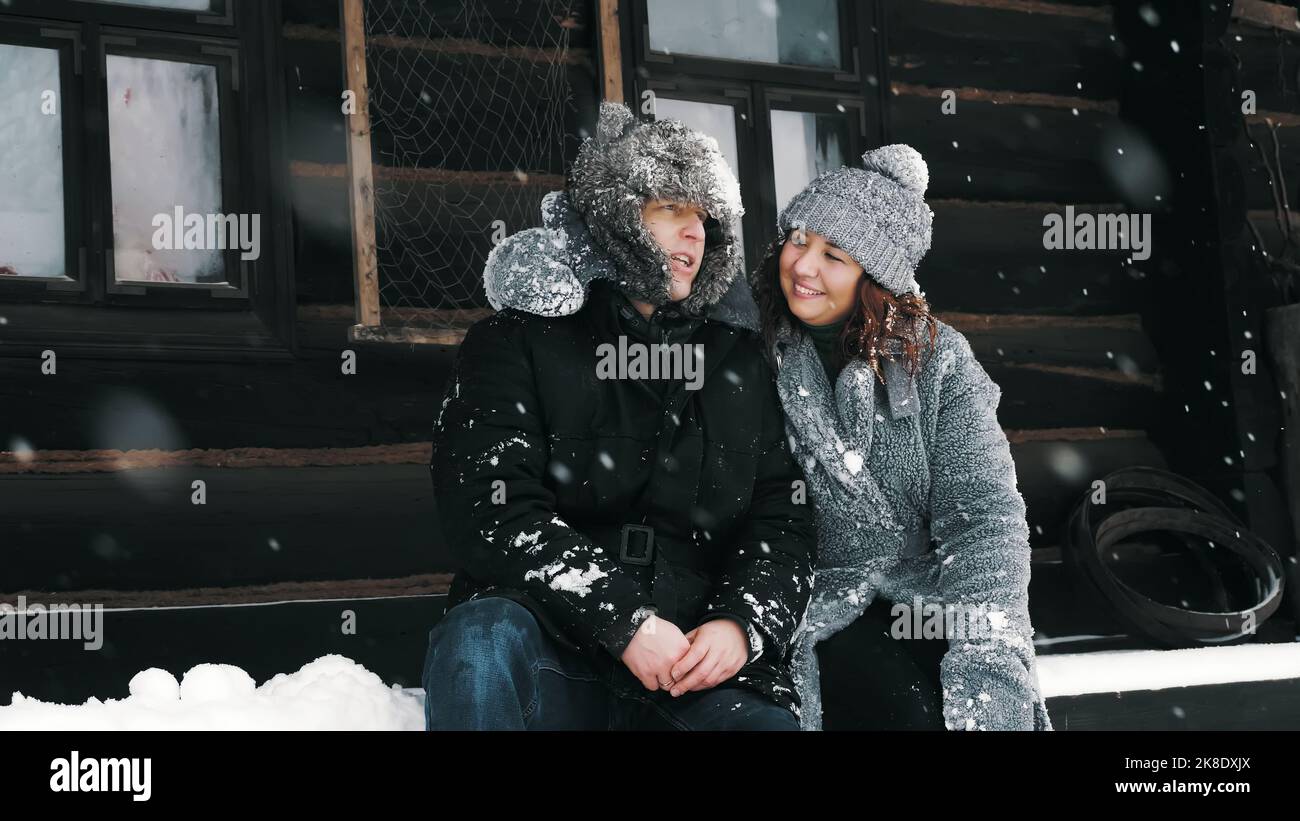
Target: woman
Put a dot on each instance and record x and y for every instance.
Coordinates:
(894, 422)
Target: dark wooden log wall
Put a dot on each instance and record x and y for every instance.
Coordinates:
(317, 485)
(1066, 102)
(1034, 103)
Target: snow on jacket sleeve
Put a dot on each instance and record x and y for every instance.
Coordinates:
(978, 520)
(499, 518)
(546, 271)
(767, 577)
(529, 271)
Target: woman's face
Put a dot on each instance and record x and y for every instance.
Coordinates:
(820, 281)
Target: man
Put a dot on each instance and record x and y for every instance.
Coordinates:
(632, 542)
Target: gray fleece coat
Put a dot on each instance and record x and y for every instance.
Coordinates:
(912, 483)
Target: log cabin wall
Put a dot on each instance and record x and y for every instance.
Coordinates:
(1032, 92)
(1102, 107)
(317, 482)
(1016, 107)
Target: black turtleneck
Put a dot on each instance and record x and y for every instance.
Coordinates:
(826, 339)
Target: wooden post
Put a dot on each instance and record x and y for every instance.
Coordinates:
(361, 185)
(611, 52)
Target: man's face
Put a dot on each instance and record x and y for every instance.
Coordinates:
(678, 227)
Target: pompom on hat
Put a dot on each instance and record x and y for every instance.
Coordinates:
(877, 214)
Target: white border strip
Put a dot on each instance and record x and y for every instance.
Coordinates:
(1114, 671)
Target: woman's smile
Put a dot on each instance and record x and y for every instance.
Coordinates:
(807, 292)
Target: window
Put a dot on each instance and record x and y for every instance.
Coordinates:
(788, 32)
(807, 142)
(780, 84)
(166, 171)
(138, 153)
(32, 231)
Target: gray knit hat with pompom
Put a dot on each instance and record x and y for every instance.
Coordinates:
(876, 213)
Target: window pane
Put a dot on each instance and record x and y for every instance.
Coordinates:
(31, 163)
(791, 32)
(804, 145)
(181, 5)
(164, 154)
(714, 119)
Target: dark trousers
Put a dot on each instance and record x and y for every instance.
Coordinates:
(873, 681)
(490, 666)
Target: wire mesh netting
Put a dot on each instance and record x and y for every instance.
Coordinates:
(467, 109)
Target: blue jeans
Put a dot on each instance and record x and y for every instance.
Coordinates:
(490, 666)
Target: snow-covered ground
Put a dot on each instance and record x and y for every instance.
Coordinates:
(336, 693)
(330, 693)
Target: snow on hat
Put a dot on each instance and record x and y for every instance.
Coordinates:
(628, 163)
(876, 214)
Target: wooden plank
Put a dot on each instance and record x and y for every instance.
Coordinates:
(342, 313)
(1000, 146)
(1097, 14)
(1098, 433)
(444, 45)
(361, 202)
(132, 333)
(494, 21)
(427, 584)
(988, 257)
(396, 334)
(432, 176)
(611, 51)
(140, 530)
(1280, 118)
(112, 461)
(305, 402)
(322, 326)
(1014, 98)
(1255, 705)
(1267, 15)
(1004, 45)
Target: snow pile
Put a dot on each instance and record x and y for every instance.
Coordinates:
(1116, 671)
(330, 693)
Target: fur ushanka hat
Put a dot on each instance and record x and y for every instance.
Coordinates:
(628, 163)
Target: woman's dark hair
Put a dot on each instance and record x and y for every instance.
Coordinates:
(879, 321)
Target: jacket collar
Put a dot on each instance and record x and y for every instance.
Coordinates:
(616, 315)
(900, 386)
